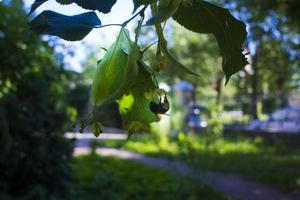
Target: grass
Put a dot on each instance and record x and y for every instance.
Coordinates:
(98, 177)
(275, 164)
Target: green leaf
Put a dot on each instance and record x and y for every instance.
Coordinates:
(165, 10)
(117, 70)
(203, 17)
(134, 108)
(97, 128)
(103, 6)
(70, 28)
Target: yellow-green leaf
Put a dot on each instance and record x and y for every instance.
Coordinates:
(134, 108)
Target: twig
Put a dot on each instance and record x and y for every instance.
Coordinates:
(134, 16)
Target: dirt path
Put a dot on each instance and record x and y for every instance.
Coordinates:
(231, 185)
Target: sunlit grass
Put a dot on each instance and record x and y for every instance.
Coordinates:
(274, 164)
(98, 177)
(162, 145)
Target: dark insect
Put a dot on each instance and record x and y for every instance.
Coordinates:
(161, 107)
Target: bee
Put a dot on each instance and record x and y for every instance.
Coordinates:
(160, 108)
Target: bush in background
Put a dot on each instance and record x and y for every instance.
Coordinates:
(34, 154)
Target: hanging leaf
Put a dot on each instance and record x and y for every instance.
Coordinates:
(117, 70)
(134, 108)
(103, 6)
(203, 17)
(138, 3)
(165, 10)
(70, 28)
(97, 128)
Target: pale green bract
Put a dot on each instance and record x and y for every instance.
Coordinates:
(116, 71)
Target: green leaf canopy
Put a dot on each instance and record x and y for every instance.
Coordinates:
(70, 28)
(204, 17)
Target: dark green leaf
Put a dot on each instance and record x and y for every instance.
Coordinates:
(70, 28)
(100, 5)
(203, 17)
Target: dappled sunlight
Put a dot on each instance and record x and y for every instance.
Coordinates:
(253, 158)
(163, 146)
(224, 146)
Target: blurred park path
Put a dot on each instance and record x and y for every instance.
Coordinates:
(231, 185)
(83, 140)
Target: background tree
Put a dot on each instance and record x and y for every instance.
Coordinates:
(201, 53)
(274, 45)
(33, 113)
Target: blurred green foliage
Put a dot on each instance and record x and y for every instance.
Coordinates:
(274, 44)
(34, 112)
(110, 178)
